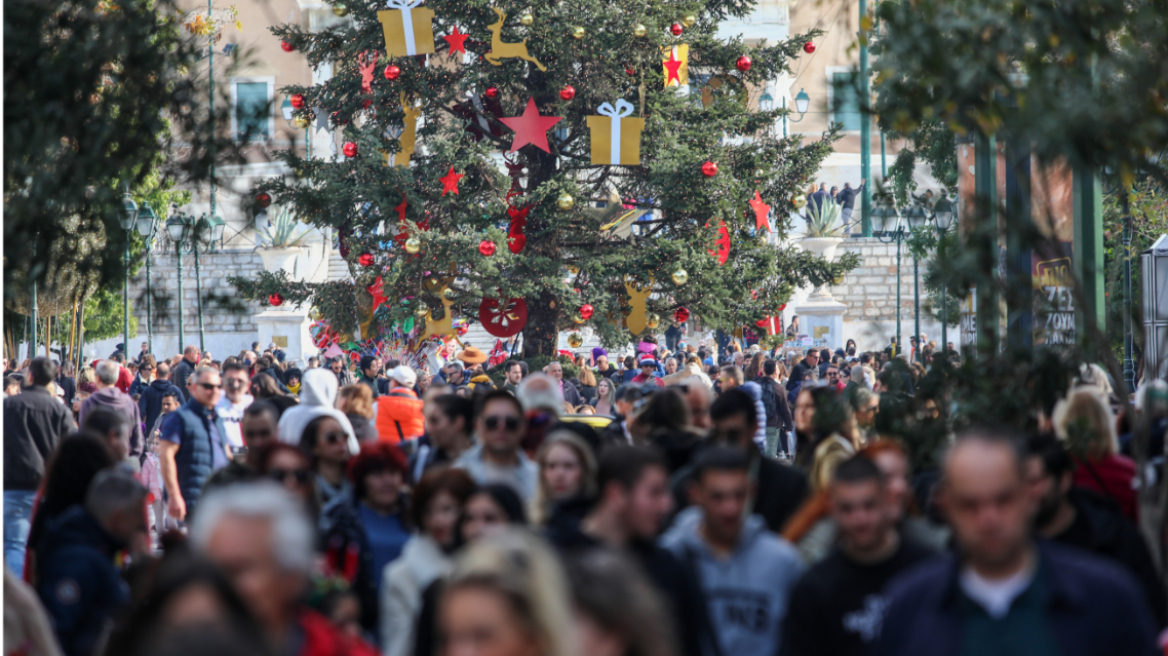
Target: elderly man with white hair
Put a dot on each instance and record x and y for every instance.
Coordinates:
(262, 537)
(109, 396)
(541, 392)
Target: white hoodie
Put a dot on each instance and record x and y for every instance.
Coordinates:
(318, 393)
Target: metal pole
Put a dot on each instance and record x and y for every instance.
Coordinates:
(917, 308)
(211, 96)
(181, 341)
(883, 159)
(149, 326)
(784, 117)
(944, 306)
(1129, 371)
(199, 297)
(126, 300)
(33, 340)
(865, 135)
(899, 239)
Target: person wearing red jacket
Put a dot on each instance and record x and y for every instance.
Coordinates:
(125, 378)
(261, 536)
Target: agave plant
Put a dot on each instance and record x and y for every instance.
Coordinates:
(284, 230)
(821, 220)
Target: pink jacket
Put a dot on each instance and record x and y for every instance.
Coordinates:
(152, 475)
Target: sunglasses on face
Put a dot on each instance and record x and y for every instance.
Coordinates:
(510, 423)
(335, 438)
(281, 475)
(209, 386)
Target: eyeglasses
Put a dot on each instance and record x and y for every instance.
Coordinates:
(510, 423)
(833, 374)
(335, 438)
(281, 475)
(209, 386)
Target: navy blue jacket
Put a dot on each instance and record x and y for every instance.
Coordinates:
(150, 403)
(1094, 608)
(77, 582)
(195, 459)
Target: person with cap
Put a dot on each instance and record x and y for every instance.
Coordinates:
(399, 413)
(648, 372)
(603, 368)
(474, 359)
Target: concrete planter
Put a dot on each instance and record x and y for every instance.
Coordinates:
(824, 247)
(284, 258)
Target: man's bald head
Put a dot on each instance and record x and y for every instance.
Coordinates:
(698, 398)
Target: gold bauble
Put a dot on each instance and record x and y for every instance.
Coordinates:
(680, 277)
(799, 202)
(653, 321)
(838, 280)
(689, 20)
(640, 31)
(421, 311)
(314, 314)
(413, 245)
(565, 202)
(577, 320)
(448, 294)
(526, 19)
(299, 122)
(341, 9)
(575, 340)
(578, 33)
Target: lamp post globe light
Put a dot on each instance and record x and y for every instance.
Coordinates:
(802, 103)
(129, 220)
(196, 235)
(885, 213)
(178, 229)
(944, 215)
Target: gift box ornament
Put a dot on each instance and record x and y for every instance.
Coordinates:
(616, 139)
(408, 29)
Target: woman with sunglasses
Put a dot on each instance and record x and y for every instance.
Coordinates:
(367, 528)
(289, 466)
(327, 444)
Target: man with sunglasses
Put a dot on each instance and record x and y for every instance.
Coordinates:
(194, 444)
(498, 458)
(648, 372)
(235, 400)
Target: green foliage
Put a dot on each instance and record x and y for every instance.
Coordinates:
(821, 219)
(1149, 210)
(285, 231)
(103, 316)
(358, 197)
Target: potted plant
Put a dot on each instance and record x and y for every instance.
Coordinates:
(823, 235)
(282, 242)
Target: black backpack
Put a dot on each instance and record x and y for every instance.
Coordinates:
(769, 400)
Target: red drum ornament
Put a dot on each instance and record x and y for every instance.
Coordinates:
(809, 47)
(392, 72)
(350, 149)
(681, 315)
(276, 299)
(297, 101)
(487, 247)
(709, 169)
(743, 63)
(366, 259)
(586, 311)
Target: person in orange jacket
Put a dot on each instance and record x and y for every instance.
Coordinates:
(399, 413)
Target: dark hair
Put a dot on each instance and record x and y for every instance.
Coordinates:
(721, 458)
(263, 456)
(70, 470)
(11, 379)
(456, 482)
(104, 421)
(264, 385)
(42, 371)
(366, 362)
(1056, 460)
(769, 367)
(665, 411)
(171, 392)
(506, 498)
(512, 363)
(310, 437)
(997, 435)
(857, 469)
(455, 406)
(293, 372)
(501, 395)
(374, 457)
(259, 407)
(624, 465)
(734, 402)
(230, 365)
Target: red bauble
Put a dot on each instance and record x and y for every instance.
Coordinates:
(350, 149)
(677, 29)
(366, 259)
(567, 93)
(288, 47)
(681, 315)
(709, 169)
(276, 299)
(487, 247)
(297, 101)
(491, 93)
(743, 63)
(630, 72)
(809, 47)
(263, 200)
(506, 320)
(392, 72)
(586, 311)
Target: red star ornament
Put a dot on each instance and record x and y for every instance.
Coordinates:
(377, 290)
(531, 128)
(672, 68)
(457, 41)
(761, 212)
(450, 181)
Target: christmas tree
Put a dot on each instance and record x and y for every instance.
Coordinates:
(546, 167)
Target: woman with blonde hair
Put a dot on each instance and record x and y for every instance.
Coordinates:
(1085, 422)
(507, 596)
(587, 383)
(356, 401)
(605, 401)
(567, 470)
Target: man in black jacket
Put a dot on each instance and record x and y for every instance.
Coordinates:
(1088, 521)
(34, 422)
(184, 369)
(150, 403)
(809, 363)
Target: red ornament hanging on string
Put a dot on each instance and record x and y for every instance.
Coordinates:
(809, 47)
(297, 101)
(743, 63)
(288, 47)
(676, 29)
(505, 320)
(366, 259)
(350, 149)
(487, 247)
(263, 200)
(567, 93)
(491, 92)
(586, 311)
(681, 315)
(709, 169)
(276, 299)
(392, 72)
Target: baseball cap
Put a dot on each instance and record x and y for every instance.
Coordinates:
(403, 375)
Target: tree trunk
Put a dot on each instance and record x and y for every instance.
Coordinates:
(540, 335)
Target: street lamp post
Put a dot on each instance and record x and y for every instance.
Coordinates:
(198, 235)
(178, 228)
(1129, 369)
(943, 216)
(916, 216)
(802, 103)
(886, 211)
(147, 228)
(129, 219)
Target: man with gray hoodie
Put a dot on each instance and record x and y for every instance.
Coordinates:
(746, 572)
(110, 397)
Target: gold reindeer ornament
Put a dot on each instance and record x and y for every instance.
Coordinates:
(501, 50)
(638, 303)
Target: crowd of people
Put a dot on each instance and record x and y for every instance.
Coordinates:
(694, 501)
